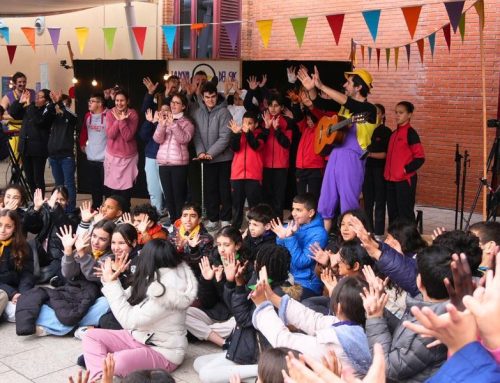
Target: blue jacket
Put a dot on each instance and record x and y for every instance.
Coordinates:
(472, 363)
(401, 269)
(302, 265)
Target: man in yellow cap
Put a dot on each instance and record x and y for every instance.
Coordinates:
(344, 174)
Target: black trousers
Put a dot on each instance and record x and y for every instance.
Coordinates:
(309, 181)
(217, 190)
(96, 171)
(401, 199)
(34, 169)
(241, 190)
(174, 184)
(274, 189)
(374, 196)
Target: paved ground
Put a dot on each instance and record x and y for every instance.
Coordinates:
(52, 359)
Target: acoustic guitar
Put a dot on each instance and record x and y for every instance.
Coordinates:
(330, 132)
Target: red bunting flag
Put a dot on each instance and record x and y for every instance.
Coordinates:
(420, 44)
(11, 50)
(29, 32)
(140, 36)
(336, 22)
(411, 15)
(447, 35)
(378, 58)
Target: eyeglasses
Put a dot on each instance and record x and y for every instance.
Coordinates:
(176, 102)
(92, 101)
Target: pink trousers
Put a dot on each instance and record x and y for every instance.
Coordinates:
(129, 355)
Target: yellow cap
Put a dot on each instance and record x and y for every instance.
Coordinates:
(363, 73)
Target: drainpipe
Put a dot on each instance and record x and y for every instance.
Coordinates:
(129, 12)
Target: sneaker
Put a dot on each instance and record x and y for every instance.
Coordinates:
(225, 223)
(80, 332)
(41, 331)
(211, 225)
(10, 312)
(56, 281)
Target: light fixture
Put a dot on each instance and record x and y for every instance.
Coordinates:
(74, 80)
(94, 82)
(166, 76)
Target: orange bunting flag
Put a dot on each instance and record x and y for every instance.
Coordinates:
(396, 57)
(29, 32)
(363, 53)
(265, 27)
(140, 37)
(411, 15)
(198, 27)
(420, 44)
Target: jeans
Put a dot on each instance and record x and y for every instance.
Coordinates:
(48, 319)
(153, 182)
(63, 170)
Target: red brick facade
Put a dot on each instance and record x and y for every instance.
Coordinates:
(446, 90)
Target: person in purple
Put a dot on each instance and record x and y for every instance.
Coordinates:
(344, 174)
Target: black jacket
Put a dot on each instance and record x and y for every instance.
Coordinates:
(70, 303)
(62, 133)
(14, 281)
(35, 130)
(254, 244)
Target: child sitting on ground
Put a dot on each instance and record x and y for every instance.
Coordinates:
(259, 230)
(145, 220)
(112, 209)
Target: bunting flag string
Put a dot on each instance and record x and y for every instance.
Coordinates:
(479, 6)
(378, 57)
(369, 55)
(461, 27)
(432, 43)
(363, 53)
(420, 45)
(408, 51)
(396, 57)
(109, 37)
(54, 37)
(140, 37)
(387, 56)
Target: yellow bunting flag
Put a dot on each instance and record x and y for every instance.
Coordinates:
(265, 27)
(30, 35)
(396, 57)
(82, 33)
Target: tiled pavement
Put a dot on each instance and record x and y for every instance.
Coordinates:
(52, 359)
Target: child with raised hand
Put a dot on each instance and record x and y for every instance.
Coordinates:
(259, 230)
(343, 332)
(245, 343)
(212, 320)
(145, 219)
(112, 209)
(247, 143)
(16, 264)
(14, 198)
(305, 230)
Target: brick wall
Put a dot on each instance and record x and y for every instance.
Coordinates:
(446, 90)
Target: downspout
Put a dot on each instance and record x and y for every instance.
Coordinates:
(130, 14)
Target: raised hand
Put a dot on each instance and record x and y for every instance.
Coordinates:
(207, 270)
(55, 96)
(230, 267)
(370, 245)
(108, 369)
(81, 377)
(373, 302)
(149, 85)
(25, 97)
(263, 82)
(67, 238)
(219, 272)
(305, 79)
(462, 281)
(455, 329)
(13, 204)
(240, 274)
(107, 273)
(281, 231)
(374, 281)
(437, 232)
(235, 378)
(328, 279)
(259, 294)
(121, 263)
(149, 115)
(318, 254)
(99, 216)
(275, 123)
(195, 241)
(268, 119)
(82, 243)
(228, 85)
(142, 227)
(291, 74)
(86, 212)
(235, 128)
(252, 82)
(307, 370)
(52, 200)
(317, 81)
(38, 199)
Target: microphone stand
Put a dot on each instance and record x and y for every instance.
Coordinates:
(464, 176)
(458, 168)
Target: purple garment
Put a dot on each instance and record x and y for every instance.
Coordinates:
(12, 97)
(344, 176)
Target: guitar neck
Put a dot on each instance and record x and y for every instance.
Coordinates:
(339, 125)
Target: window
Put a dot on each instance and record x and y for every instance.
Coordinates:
(212, 41)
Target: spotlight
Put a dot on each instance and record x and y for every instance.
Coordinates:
(94, 82)
(166, 77)
(74, 80)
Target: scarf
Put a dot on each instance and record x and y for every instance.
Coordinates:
(176, 116)
(184, 234)
(150, 233)
(98, 253)
(4, 244)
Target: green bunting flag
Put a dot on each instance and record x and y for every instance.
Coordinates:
(299, 27)
(109, 37)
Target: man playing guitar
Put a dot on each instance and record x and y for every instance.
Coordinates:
(344, 174)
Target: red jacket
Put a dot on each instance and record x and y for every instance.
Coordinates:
(404, 155)
(276, 155)
(247, 161)
(306, 157)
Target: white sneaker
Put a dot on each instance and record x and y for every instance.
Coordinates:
(212, 225)
(80, 332)
(41, 331)
(10, 312)
(225, 223)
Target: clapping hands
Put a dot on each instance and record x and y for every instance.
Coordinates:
(281, 231)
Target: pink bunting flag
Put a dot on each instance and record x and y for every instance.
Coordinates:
(336, 22)
(54, 37)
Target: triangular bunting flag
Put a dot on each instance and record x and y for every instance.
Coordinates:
(396, 57)
(408, 51)
(11, 50)
(54, 37)
(362, 53)
(369, 55)
(420, 44)
(447, 35)
(378, 57)
(432, 43)
(461, 27)
(82, 33)
(352, 56)
(411, 15)
(140, 36)
(265, 27)
(198, 27)
(371, 19)
(454, 10)
(233, 31)
(169, 32)
(387, 56)
(299, 27)
(109, 37)
(479, 5)
(4, 32)
(29, 32)
(336, 22)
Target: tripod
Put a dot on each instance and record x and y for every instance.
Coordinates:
(493, 164)
(17, 174)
